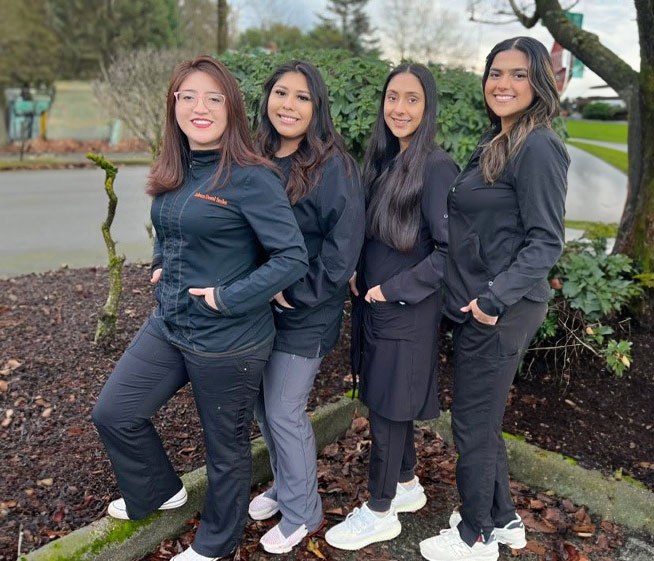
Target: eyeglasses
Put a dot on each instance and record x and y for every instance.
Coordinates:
(189, 99)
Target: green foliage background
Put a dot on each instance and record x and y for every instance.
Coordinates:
(355, 85)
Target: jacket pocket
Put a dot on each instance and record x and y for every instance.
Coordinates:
(390, 320)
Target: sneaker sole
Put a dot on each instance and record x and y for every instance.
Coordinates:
(278, 549)
(506, 537)
(175, 504)
(389, 534)
(121, 514)
(491, 556)
(411, 507)
(263, 514)
(511, 541)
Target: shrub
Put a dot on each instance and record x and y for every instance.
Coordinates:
(592, 289)
(133, 88)
(598, 110)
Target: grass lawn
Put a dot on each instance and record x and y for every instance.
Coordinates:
(615, 158)
(597, 130)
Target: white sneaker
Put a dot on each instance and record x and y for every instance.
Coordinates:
(262, 507)
(117, 508)
(513, 534)
(190, 554)
(448, 546)
(362, 527)
(409, 500)
(273, 541)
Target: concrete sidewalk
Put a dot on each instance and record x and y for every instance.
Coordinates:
(617, 501)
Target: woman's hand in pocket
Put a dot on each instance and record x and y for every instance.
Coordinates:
(480, 316)
(207, 293)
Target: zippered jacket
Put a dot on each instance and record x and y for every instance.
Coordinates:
(331, 218)
(240, 238)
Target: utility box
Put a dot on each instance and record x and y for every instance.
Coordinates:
(26, 116)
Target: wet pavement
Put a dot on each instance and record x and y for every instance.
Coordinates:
(49, 218)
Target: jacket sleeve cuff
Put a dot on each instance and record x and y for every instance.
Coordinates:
(220, 304)
(157, 261)
(491, 305)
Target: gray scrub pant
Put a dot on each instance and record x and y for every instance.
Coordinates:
(281, 413)
(148, 374)
(486, 360)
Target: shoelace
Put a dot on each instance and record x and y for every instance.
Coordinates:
(356, 521)
(454, 541)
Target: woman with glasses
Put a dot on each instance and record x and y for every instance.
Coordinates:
(226, 243)
(323, 185)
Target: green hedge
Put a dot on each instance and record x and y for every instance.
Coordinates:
(355, 88)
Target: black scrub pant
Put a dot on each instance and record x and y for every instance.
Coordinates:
(148, 374)
(392, 459)
(486, 359)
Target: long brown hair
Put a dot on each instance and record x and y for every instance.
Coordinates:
(504, 145)
(169, 169)
(320, 142)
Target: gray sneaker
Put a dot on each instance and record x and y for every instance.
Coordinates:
(512, 534)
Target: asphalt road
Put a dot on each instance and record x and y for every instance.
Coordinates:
(52, 218)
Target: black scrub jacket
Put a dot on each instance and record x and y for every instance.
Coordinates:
(331, 218)
(395, 343)
(504, 238)
(240, 238)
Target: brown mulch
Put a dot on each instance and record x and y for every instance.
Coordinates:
(56, 478)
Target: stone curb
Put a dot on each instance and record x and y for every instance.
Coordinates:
(618, 501)
(112, 540)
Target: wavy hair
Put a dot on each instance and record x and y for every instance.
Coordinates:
(320, 141)
(393, 180)
(505, 145)
(170, 168)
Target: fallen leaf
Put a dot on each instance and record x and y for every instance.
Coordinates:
(536, 547)
(312, 546)
(571, 551)
(58, 515)
(337, 510)
(359, 424)
(9, 366)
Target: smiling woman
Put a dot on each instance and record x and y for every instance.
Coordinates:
(226, 242)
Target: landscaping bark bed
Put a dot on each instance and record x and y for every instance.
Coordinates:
(56, 478)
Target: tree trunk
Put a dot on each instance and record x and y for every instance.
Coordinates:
(636, 232)
(108, 316)
(223, 12)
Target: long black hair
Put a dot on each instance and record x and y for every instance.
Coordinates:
(394, 180)
(320, 141)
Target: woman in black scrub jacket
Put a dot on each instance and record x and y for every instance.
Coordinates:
(398, 308)
(226, 243)
(506, 232)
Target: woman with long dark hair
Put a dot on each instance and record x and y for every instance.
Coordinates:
(323, 185)
(226, 243)
(506, 232)
(397, 307)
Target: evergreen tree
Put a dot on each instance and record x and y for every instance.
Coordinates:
(351, 19)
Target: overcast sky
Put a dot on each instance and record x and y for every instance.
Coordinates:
(614, 21)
